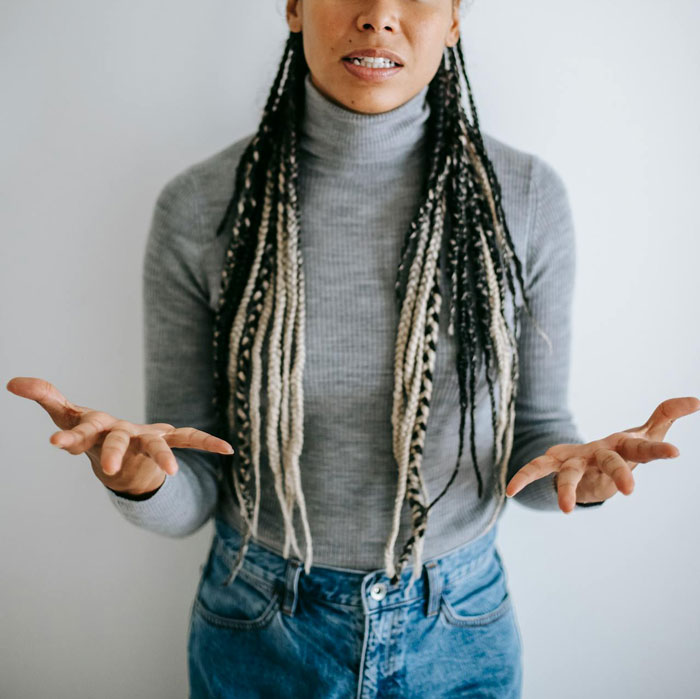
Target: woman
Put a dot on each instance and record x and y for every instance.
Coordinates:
(365, 198)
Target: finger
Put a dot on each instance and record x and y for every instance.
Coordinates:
(667, 412)
(612, 464)
(192, 438)
(531, 471)
(46, 394)
(157, 448)
(568, 478)
(642, 450)
(113, 449)
(82, 437)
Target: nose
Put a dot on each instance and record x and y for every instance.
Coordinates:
(378, 16)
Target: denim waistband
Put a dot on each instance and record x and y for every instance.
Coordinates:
(350, 587)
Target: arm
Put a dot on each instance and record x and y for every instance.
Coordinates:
(178, 363)
(542, 416)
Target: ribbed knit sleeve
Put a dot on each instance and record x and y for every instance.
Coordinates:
(178, 363)
(543, 418)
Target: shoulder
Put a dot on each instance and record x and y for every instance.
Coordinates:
(523, 178)
(188, 211)
(536, 205)
(204, 188)
(526, 175)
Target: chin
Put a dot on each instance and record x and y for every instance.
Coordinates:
(372, 100)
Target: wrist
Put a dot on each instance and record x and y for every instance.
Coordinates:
(139, 493)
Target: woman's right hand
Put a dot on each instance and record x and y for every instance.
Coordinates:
(127, 457)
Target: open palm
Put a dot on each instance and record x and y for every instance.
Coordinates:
(126, 456)
(596, 470)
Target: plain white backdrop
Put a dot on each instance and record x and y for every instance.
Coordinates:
(103, 102)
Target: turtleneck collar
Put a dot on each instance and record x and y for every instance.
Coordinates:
(332, 132)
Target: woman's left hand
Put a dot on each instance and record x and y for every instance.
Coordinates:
(596, 470)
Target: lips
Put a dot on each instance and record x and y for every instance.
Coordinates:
(375, 53)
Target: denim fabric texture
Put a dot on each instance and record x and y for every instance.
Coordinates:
(277, 632)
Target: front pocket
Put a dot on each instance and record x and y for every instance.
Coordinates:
(249, 602)
(479, 598)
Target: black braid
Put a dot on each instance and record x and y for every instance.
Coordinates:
(452, 144)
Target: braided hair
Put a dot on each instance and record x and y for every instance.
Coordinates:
(262, 284)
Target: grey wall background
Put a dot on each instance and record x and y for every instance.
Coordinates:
(103, 102)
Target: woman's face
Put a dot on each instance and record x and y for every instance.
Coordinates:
(417, 31)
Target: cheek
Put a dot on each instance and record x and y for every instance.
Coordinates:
(323, 37)
(428, 40)
(429, 57)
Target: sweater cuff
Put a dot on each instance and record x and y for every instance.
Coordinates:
(142, 496)
(154, 511)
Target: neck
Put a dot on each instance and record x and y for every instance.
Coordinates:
(333, 132)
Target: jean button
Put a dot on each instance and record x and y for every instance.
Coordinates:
(378, 591)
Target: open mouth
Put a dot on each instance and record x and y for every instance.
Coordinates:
(373, 63)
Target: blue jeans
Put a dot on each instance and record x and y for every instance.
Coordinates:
(277, 632)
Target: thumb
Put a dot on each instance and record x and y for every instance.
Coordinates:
(61, 410)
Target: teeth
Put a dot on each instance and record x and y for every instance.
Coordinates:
(373, 62)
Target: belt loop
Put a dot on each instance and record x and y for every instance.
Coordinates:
(292, 572)
(434, 588)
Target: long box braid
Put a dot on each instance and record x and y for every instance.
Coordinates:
(262, 287)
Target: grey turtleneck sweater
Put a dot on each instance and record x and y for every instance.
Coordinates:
(359, 189)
